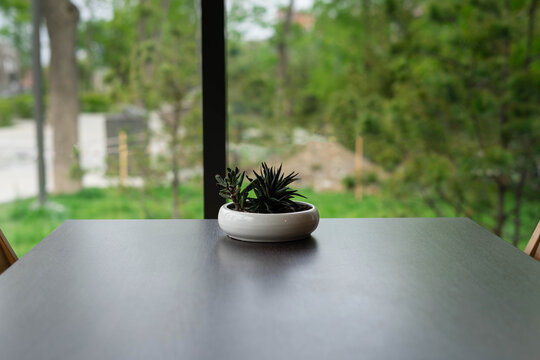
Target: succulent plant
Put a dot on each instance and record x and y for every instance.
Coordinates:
(272, 191)
(231, 188)
(270, 186)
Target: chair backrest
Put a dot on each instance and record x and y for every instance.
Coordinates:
(7, 255)
(533, 247)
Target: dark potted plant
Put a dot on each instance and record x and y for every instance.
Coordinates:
(271, 215)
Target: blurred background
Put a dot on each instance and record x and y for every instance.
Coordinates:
(386, 108)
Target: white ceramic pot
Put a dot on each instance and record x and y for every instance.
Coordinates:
(268, 227)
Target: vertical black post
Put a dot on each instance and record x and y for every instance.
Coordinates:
(37, 87)
(214, 91)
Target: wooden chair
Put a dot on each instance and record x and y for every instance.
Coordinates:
(7, 255)
(533, 247)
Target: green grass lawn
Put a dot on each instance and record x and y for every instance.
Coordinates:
(25, 225)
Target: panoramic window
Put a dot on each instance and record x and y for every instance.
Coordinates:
(385, 109)
(392, 108)
(123, 118)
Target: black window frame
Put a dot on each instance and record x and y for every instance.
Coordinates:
(214, 100)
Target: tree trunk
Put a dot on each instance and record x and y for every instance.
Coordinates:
(501, 214)
(433, 205)
(517, 209)
(61, 17)
(504, 138)
(284, 102)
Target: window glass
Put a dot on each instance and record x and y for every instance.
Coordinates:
(392, 108)
(123, 133)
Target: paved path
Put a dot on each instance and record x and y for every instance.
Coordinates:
(18, 156)
(18, 165)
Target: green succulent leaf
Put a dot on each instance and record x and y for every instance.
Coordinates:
(270, 186)
(272, 192)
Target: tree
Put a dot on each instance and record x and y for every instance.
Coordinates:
(159, 65)
(17, 28)
(61, 17)
(482, 89)
(445, 95)
(267, 78)
(284, 105)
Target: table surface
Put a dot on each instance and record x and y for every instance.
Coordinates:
(358, 289)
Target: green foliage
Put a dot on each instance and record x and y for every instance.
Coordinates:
(349, 182)
(6, 112)
(76, 172)
(15, 26)
(156, 62)
(93, 102)
(366, 179)
(18, 106)
(156, 65)
(23, 106)
(231, 188)
(272, 191)
(445, 95)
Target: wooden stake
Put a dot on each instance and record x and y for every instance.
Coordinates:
(123, 157)
(358, 161)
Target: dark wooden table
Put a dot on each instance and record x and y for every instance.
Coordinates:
(359, 289)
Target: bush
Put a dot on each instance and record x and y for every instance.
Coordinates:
(23, 106)
(18, 106)
(6, 112)
(367, 178)
(370, 178)
(95, 102)
(349, 182)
